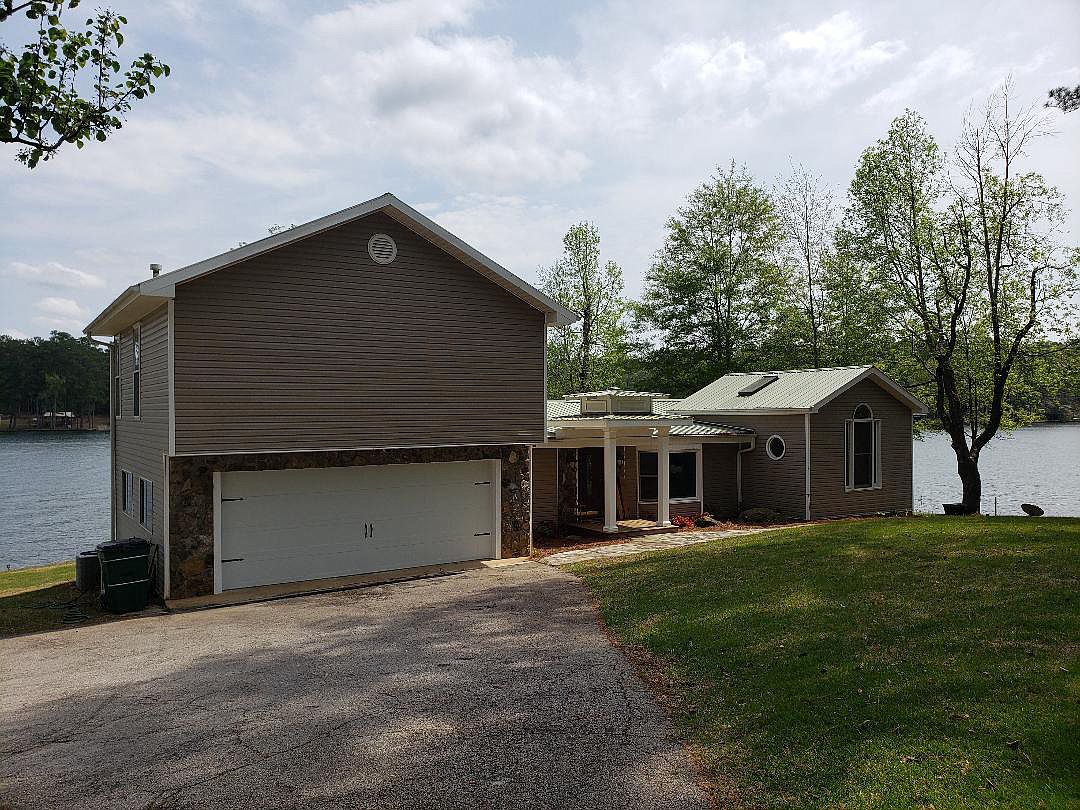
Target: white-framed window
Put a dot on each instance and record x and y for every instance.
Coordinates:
(776, 447)
(136, 372)
(127, 492)
(862, 450)
(684, 476)
(146, 503)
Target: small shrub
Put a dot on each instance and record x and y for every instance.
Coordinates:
(761, 517)
(683, 521)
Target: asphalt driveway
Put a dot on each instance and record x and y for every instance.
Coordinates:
(490, 688)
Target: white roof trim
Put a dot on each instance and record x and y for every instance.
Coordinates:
(164, 286)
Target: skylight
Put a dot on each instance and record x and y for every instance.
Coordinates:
(757, 385)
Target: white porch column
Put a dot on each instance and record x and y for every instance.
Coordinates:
(611, 474)
(663, 478)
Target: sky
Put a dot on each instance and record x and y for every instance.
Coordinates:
(506, 122)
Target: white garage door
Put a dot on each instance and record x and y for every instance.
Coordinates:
(294, 525)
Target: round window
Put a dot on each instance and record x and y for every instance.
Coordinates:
(382, 249)
(775, 447)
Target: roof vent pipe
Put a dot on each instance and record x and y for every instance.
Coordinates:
(155, 270)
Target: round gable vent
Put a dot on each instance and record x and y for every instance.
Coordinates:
(381, 248)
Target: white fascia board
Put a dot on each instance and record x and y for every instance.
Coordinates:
(917, 406)
(129, 307)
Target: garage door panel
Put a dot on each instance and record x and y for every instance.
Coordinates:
(291, 525)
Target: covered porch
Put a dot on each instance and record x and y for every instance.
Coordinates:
(624, 463)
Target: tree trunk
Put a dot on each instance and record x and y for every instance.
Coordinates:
(972, 481)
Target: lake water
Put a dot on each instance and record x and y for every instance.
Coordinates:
(54, 487)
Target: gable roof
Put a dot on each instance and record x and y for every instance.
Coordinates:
(794, 391)
(146, 296)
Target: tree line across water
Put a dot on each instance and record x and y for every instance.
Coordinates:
(947, 269)
(56, 374)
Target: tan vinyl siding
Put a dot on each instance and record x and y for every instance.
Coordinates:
(827, 448)
(720, 479)
(777, 485)
(545, 483)
(315, 346)
(140, 442)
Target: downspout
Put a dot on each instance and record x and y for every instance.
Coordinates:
(114, 357)
(806, 423)
(738, 468)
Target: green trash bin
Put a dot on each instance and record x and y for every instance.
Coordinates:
(125, 574)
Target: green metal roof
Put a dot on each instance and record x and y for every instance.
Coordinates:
(799, 390)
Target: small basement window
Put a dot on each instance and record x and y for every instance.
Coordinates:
(776, 447)
(146, 503)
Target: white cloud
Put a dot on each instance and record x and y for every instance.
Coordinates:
(64, 314)
(944, 64)
(698, 71)
(15, 333)
(52, 274)
(820, 60)
(518, 233)
(470, 109)
(61, 307)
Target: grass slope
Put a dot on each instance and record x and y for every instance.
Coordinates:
(880, 663)
(45, 598)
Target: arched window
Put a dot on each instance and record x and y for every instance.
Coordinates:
(862, 450)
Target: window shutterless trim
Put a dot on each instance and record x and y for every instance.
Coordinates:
(146, 510)
(127, 494)
(698, 475)
(136, 370)
(849, 451)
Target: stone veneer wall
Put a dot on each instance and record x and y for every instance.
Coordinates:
(191, 498)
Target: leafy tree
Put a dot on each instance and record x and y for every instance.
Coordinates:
(66, 86)
(969, 268)
(591, 353)
(1066, 99)
(717, 285)
(60, 372)
(807, 214)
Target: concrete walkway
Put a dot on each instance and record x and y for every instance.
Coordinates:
(491, 688)
(642, 544)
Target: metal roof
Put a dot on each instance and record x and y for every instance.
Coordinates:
(707, 429)
(145, 296)
(798, 390)
(619, 417)
(616, 392)
(568, 410)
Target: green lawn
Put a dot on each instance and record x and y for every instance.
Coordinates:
(37, 599)
(880, 663)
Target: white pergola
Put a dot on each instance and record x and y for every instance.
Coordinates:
(608, 431)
